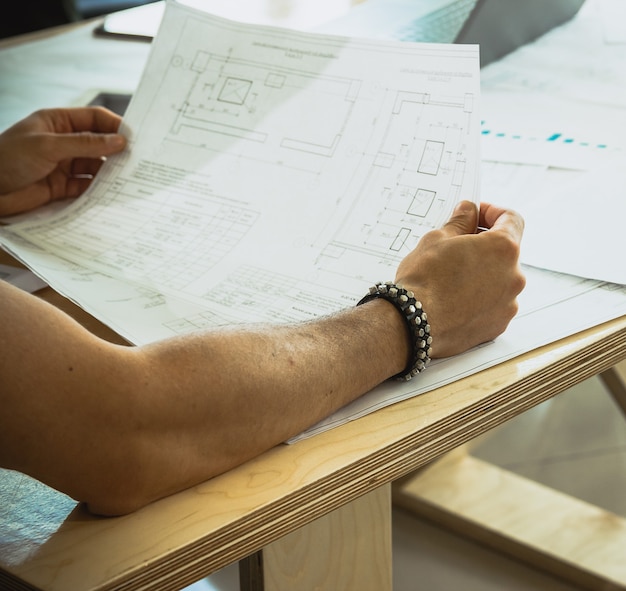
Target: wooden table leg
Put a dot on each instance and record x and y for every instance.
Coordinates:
(349, 548)
(547, 529)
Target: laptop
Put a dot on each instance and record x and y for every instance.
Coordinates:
(498, 26)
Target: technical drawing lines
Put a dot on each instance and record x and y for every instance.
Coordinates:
(421, 202)
(205, 320)
(235, 91)
(268, 296)
(431, 158)
(174, 236)
(239, 98)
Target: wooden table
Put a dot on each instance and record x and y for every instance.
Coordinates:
(316, 514)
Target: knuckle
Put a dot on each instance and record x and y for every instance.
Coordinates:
(519, 282)
(432, 236)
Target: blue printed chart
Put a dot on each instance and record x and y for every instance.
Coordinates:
(552, 148)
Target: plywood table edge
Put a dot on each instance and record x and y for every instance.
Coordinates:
(403, 456)
(605, 346)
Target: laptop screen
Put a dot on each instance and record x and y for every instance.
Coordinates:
(501, 26)
(498, 26)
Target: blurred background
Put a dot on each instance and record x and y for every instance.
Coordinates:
(33, 15)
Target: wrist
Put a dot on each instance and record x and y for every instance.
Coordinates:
(415, 322)
(391, 337)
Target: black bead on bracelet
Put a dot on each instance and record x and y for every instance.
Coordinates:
(416, 320)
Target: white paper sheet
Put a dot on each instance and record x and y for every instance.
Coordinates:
(302, 232)
(545, 129)
(295, 165)
(559, 104)
(613, 14)
(585, 219)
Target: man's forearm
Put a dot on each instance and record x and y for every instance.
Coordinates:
(227, 396)
(119, 427)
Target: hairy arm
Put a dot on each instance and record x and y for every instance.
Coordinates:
(120, 426)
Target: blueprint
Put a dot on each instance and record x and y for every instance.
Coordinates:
(290, 169)
(285, 162)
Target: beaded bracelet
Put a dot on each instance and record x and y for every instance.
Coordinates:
(416, 319)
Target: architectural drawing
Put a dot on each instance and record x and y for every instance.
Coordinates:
(260, 152)
(404, 178)
(230, 98)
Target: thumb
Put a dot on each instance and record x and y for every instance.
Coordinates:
(89, 145)
(464, 219)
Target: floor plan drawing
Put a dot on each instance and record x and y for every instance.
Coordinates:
(230, 98)
(418, 169)
(415, 147)
(262, 152)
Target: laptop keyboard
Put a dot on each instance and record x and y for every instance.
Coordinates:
(440, 26)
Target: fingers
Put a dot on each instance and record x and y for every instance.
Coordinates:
(77, 186)
(87, 145)
(86, 166)
(502, 220)
(24, 200)
(76, 119)
(464, 220)
(51, 146)
(80, 132)
(467, 281)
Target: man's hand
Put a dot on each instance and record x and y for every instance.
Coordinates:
(467, 280)
(54, 154)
